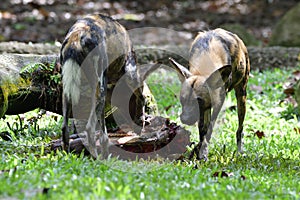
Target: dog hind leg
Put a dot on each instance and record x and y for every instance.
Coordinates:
(65, 129)
(240, 92)
(92, 119)
(100, 110)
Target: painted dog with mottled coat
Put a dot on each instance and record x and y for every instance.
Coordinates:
(96, 50)
(218, 63)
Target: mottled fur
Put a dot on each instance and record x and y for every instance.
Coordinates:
(218, 63)
(98, 49)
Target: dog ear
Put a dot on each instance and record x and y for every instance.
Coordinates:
(183, 72)
(219, 77)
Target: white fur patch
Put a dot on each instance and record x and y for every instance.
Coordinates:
(71, 77)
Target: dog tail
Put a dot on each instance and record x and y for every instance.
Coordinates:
(71, 79)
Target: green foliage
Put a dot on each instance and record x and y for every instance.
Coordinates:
(37, 123)
(47, 76)
(165, 86)
(48, 70)
(268, 169)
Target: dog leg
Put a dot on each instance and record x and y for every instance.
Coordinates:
(139, 110)
(205, 130)
(217, 105)
(91, 125)
(65, 128)
(92, 120)
(240, 92)
(204, 127)
(103, 138)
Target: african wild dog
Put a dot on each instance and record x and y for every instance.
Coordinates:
(97, 50)
(218, 63)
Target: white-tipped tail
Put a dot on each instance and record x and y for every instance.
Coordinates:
(71, 78)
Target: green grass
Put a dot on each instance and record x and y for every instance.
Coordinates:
(269, 168)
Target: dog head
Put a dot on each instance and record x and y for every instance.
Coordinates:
(197, 92)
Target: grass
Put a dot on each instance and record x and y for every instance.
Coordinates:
(269, 168)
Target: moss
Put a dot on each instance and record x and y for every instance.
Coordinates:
(3, 102)
(10, 88)
(297, 94)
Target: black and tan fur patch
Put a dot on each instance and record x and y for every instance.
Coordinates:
(89, 32)
(214, 49)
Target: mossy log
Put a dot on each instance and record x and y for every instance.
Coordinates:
(30, 81)
(260, 57)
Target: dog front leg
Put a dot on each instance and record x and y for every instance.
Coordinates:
(65, 128)
(205, 129)
(203, 126)
(103, 138)
(217, 105)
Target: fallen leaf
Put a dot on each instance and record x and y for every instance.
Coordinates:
(296, 75)
(259, 134)
(289, 91)
(222, 174)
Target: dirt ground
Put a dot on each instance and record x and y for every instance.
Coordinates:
(48, 20)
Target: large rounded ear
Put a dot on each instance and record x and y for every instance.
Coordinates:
(182, 72)
(219, 77)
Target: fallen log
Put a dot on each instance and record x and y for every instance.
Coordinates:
(260, 57)
(159, 138)
(30, 81)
